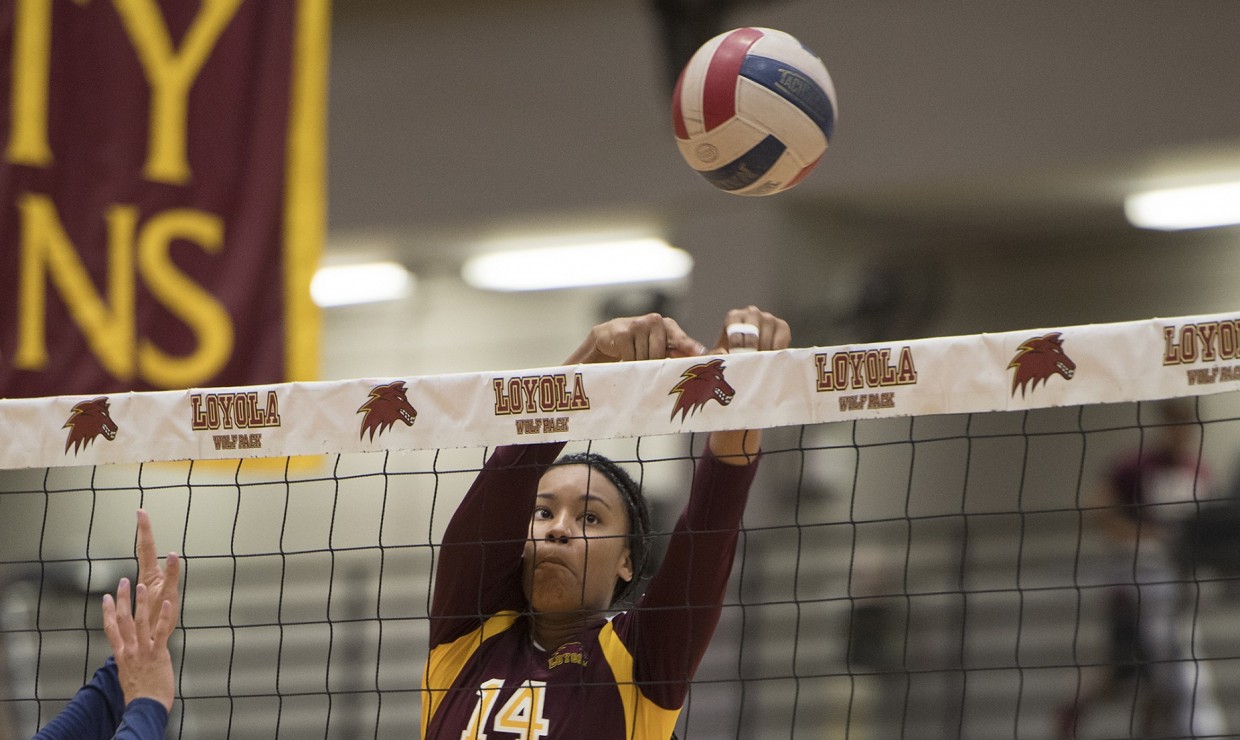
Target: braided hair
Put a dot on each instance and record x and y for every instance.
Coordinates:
(634, 504)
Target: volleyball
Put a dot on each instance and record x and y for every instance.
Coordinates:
(754, 111)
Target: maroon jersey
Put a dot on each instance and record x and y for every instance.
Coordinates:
(1160, 485)
(622, 678)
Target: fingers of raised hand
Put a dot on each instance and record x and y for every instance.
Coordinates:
(109, 622)
(148, 562)
(648, 337)
(165, 624)
(142, 615)
(139, 641)
(780, 333)
(148, 625)
(749, 329)
(171, 585)
(118, 622)
(656, 341)
(680, 344)
(630, 338)
(124, 613)
(741, 336)
(164, 582)
(645, 338)
(657, 337)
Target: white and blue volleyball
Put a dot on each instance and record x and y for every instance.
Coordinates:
(754, 111)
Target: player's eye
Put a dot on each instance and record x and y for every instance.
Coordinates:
(591, 518)
(542, 512)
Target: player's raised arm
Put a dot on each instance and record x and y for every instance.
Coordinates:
(130, 697)
(747, 329)
(669, 631)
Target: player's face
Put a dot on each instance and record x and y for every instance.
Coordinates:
(578, 543)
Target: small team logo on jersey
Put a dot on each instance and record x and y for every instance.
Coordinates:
(87, 421)
(569, 652)
(387, 405)
(1038, 359)
(701, 383)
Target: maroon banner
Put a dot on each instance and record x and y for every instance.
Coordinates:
(161, 193)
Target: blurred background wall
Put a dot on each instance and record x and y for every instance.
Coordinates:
(975, 182)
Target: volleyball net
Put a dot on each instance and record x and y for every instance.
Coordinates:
(924, 555)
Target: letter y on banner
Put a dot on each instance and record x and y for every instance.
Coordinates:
(162, 187)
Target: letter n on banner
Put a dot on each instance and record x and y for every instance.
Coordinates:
(162, 186)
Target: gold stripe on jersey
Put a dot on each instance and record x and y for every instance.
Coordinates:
(446, 662)
(642, 717)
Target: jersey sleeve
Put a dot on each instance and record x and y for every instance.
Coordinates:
(99, 712)
(669, 630)
(479, 570)
(144, 719)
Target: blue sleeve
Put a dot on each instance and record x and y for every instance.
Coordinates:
(98, 712)
(144, 719)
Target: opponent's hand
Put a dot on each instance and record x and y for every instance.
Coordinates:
(162, 583)
(140, 647)
(649, 337)
(752, 329)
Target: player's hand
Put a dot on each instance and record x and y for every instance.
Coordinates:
(649, 337)
(747, 329)
(162, 583)
(752, 329)
(139, 641)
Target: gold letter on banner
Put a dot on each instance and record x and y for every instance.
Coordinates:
(47, 252)
(183, 297)
(171, 74)
(32, 42)
(90, 272)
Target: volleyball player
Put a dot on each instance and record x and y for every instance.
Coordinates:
(539, 551)
(130, 697)
(1146, 502)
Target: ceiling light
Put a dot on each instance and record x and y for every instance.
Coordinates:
(343, 285)
(578, 266)
(1195, 207)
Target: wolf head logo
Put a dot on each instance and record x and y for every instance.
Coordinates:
(88, 420)
(700, 384)
(1038, 359)
(387, 405)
